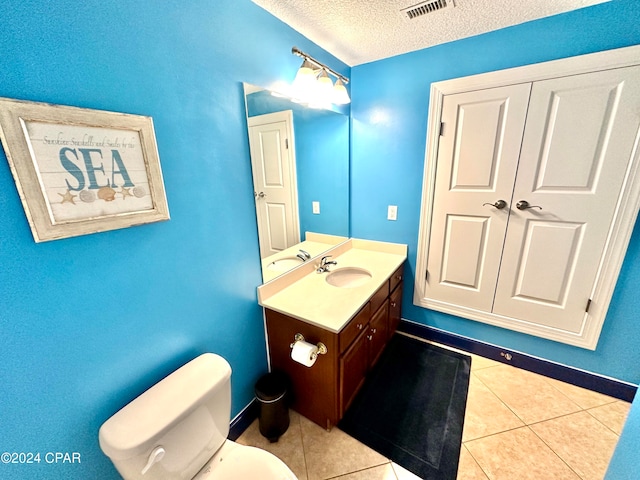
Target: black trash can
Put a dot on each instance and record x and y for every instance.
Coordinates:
(271, 392)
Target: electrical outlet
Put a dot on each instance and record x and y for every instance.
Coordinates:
(315, 206)
(392, 212)
(507, 356)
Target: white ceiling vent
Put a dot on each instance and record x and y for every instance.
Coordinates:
(423, 8)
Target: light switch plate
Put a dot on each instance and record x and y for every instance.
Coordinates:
(392, 212)
(315, 206)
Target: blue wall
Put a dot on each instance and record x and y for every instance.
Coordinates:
(88, 323)
(389, 120)
(322, 148)
(322, 162)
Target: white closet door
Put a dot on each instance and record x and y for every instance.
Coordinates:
(477, 160)
(576, 151)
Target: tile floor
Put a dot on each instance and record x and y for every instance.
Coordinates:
(518, 425)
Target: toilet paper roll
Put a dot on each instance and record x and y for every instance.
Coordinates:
(304, 353)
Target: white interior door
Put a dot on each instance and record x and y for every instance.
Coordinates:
(477, 160)
(576, 152)
(271, 143)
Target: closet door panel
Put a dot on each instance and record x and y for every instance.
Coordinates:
(465, 245)
(544, 273)
(576, 151)
(477, 159)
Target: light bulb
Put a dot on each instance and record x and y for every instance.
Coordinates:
(340, 95)
(305, 82)
(325, 86)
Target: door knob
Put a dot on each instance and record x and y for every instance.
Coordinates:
(523, 205)
(262, 195)
(500, 204)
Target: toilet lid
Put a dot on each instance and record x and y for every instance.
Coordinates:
(246, 463)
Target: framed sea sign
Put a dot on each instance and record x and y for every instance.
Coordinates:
(81, 171)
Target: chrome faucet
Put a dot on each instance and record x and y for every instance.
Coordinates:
(324, 264)
(303, 255)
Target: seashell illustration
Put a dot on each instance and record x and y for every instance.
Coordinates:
(87, 196)
(107, 194)
(139, 192)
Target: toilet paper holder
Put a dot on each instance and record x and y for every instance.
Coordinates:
(298, 337)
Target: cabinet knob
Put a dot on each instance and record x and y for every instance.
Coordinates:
(369, 337)
(373, 330)
(359, 326)
(393, 304)
(398, 277)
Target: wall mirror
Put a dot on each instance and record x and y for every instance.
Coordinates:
(300, 166)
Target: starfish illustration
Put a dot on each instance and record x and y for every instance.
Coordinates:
(125, 192)
(68, 197)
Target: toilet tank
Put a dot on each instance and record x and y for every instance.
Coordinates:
(174, 427)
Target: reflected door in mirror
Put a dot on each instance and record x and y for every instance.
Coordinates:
(274, 181)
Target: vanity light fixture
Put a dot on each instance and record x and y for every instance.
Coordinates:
(314, 86)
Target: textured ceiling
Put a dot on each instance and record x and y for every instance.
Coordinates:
(361, 31)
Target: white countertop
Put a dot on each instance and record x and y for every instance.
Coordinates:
(304, 294)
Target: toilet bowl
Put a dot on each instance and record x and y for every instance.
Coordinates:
(244, 463)
(178, 430)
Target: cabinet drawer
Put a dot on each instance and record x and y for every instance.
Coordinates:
(396, 278)
(379, 297)
(354, 327)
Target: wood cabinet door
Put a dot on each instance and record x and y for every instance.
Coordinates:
(353, 368)
(377, 334)
(395, 310)
(578, 144)
(477, 159)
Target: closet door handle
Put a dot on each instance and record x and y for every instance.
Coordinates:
(500, 204)
(523, 205)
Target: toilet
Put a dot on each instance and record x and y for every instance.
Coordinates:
(178, 430)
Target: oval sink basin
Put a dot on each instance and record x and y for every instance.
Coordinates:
(285, 263)
(348, 277)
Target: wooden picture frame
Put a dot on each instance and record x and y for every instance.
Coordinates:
(81, 171)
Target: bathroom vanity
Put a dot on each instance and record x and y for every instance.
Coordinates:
(353, 314)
